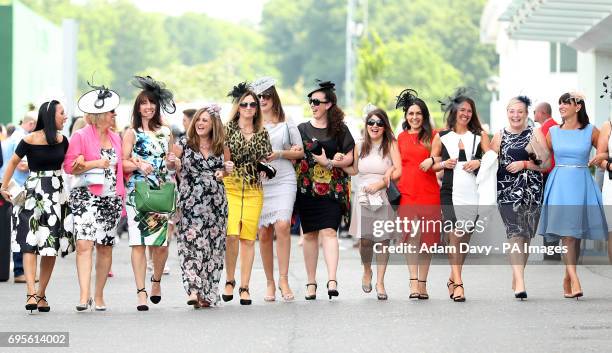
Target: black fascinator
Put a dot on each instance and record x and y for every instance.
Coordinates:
(322, 86)
(406, 98)
(525, 100)
(165, 97)
(459, 96)
(238, 91)
(607, 91)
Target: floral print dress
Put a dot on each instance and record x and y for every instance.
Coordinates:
(202, 226)
(148, 228)
(95, 218)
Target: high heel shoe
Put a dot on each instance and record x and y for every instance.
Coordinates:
(142, 307)
(42, 309)
(366, 287)
(244, 301)
(332, 292)
(448, 286)
(423, 296)
(312, 296)
(85, 306)
(458, 298)
(521, 295)
(575, 295)
(270, 298)
(286, 296)
(155, 298)
(31, 306)
(381, 296)
(413, 295)
(228, 297)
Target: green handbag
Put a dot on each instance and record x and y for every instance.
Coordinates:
(162, 200)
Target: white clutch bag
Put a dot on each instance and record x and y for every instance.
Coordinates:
(17, 192)
(91, 177)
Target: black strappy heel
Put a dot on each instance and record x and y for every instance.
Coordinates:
(229, 297)
(31, 307)
(244, 301)
(458, 298)
(423, 296)
(312, 296)
(155, 298)
(142, 307)
(332, 292)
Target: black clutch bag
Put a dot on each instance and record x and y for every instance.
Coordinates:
(315, 147)
(393, 194)
(266, 168)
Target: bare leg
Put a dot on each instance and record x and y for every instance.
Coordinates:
(247, 255)
(413, 262)
(266, 235)
(283, 252)
(366, 253)
(139, 266)
(46, 269)
(231, 257)
(518, 261)
(570, 260)
(29, 267)
(381, 269)
(160, 255)
(331, 253)
(84, 256)
(311, 256)
(104, 260)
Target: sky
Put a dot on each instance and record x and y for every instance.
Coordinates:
(231, 10)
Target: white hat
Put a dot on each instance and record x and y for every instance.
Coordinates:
(262, 84)
(100, 100)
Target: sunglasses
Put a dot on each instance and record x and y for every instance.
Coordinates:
(316, 102)
(246, 105)
(378, 123)
(264, 96)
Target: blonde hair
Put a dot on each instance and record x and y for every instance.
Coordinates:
(94, 117)
(78, 125)
(514, 101)
(217, 134)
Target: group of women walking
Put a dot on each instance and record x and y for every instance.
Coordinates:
(244, 180)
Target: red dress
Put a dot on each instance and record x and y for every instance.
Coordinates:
(420, 190)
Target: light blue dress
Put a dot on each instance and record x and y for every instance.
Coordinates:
(572, 201)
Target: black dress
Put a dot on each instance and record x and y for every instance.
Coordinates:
(519, 195)
(322, 195)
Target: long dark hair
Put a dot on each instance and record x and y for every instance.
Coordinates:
(155, 122)
(277, 107)
(335, 115)
(388, 136)
(46, 121)
(451, 118)
(583, 117)
(426, 128)
(235, 112)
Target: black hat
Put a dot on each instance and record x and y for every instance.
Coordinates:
(164, 96)
(322, 86)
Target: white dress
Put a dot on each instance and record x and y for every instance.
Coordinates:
(607, 191)
(280, 191)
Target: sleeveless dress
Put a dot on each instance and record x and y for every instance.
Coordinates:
(202, 225)
(279, 192)
(148, 228)
(607, 188)
(370, 207)
(572, 203)
(519, 195)
(420, 190)
(459, 192)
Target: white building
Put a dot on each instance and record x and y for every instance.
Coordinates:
(548, 47)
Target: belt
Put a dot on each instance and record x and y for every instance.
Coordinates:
(571, 165)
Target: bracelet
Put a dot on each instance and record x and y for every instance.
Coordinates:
(433, 161)
(442, 164)
(329, 165)
(280, 154)
(525, 165)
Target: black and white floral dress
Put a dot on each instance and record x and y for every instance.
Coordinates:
(95, 218)
(202, 226)
(519, 195)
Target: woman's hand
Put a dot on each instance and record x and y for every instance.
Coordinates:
(370, 189)
(219, 174)
(79, 163)
(103, 163)
(598, 159)
(228, 167)
(321, 159)
(471, 166)
(272, 156)
(450, 163)
(426, 164)
(5, 194)
(387, 177)
(144, 167)
(515, 167)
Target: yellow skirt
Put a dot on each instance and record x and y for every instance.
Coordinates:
(244, 202)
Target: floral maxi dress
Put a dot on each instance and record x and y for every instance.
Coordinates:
(203, 222)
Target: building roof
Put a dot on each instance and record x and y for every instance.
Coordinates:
(584, 24)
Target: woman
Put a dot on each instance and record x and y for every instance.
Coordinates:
(377, 160)
(519, 186)
(146, 156)
(418, 186)
(201, 228)
(279, 192)
(576, 215)
(95, 208)
(323, 194)
(38, 224)
(461, 146)
(249, 145)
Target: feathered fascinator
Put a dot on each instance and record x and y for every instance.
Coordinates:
(406, 98)
(322, 86)
(238, 91)
(99, 100)
(164, 96)
(459, 96)
(368, 109)
(525, 100)
(577, 96)
(213, 110)
(606, 88)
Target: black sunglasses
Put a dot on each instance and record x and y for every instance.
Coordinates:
(316, 102)
(373, 122)
(264, 96)
(252, 105)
